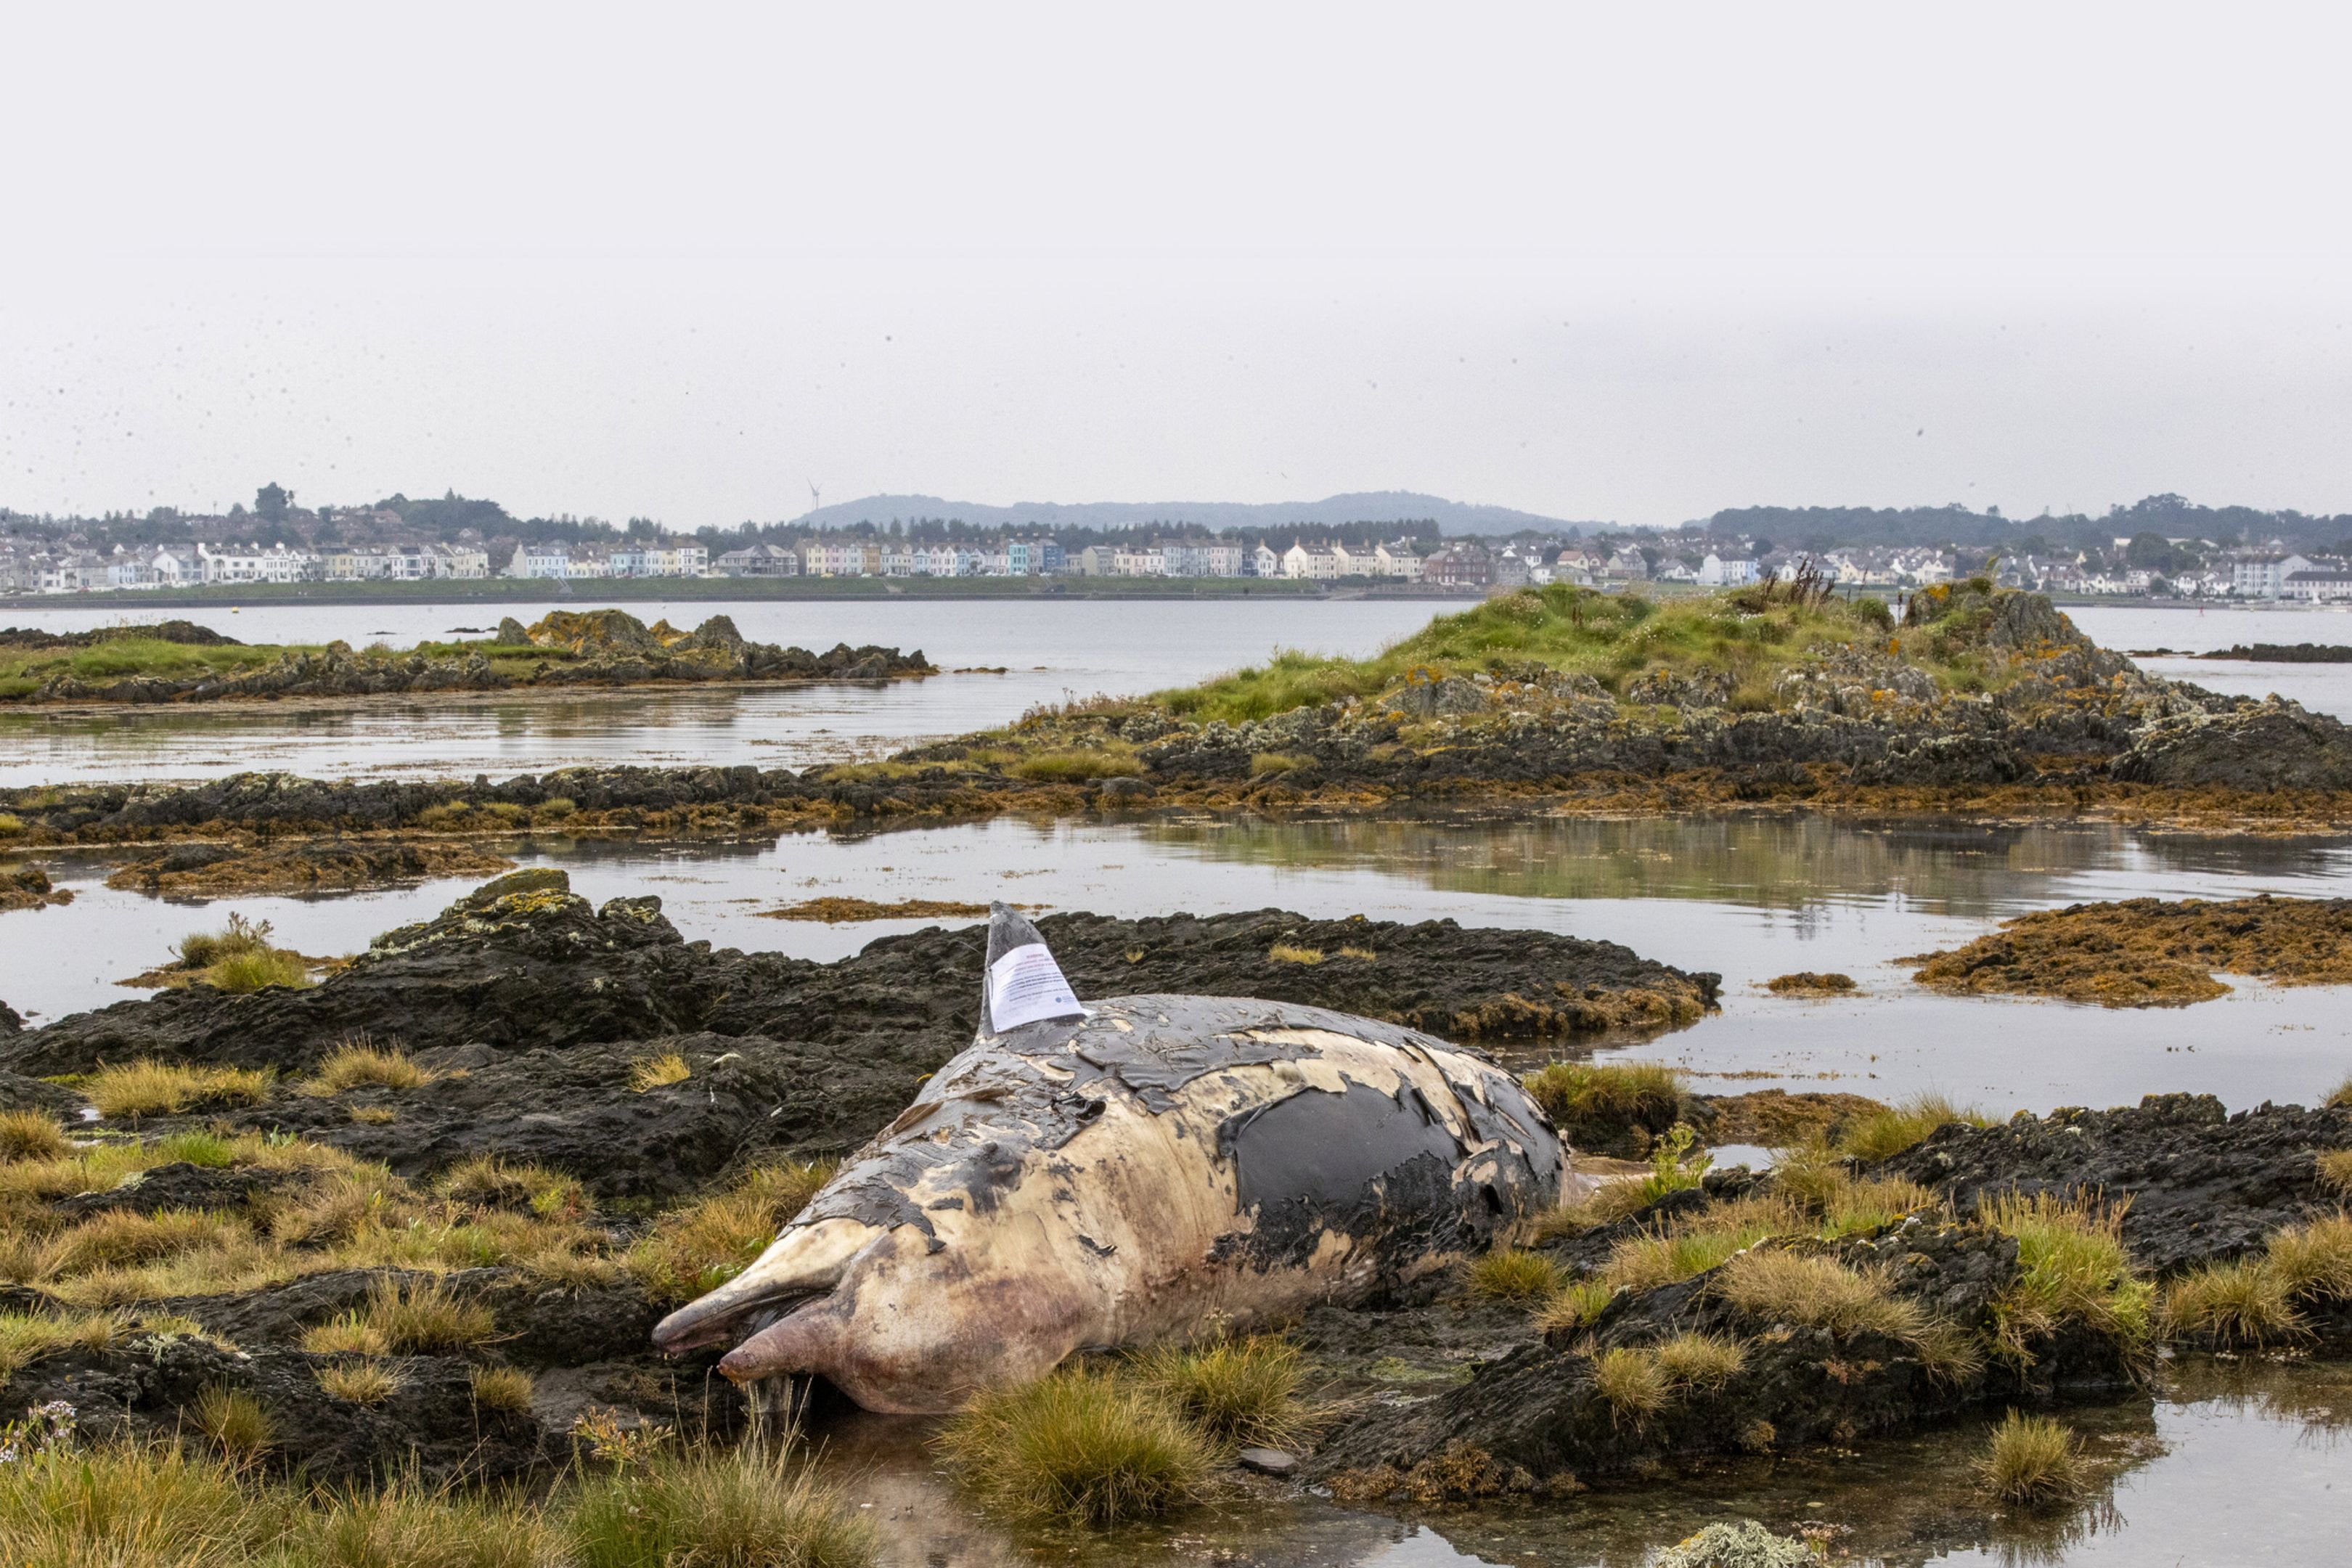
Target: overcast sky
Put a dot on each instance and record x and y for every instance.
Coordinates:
(688, 261)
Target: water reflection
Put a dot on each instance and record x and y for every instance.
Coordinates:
(2219, 1466)
(1772, 860)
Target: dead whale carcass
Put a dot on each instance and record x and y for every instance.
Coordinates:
(1128, 1172)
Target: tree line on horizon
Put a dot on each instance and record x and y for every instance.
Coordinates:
(2151, 523)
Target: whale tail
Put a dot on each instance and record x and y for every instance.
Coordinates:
(1023, 985)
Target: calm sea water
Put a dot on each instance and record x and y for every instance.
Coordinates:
(1050, 653)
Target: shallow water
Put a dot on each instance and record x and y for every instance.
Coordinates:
(1050, 652)
(1747, 896)
(2225, 1463)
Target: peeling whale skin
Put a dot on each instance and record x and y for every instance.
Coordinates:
(1162, 1167)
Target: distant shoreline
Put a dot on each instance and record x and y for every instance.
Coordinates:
(544, 591)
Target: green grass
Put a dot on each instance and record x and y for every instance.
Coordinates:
(2074, 1269)
(1882, 1134)
(25, 1336)
(740, 1509)
(1081, 1446)
(2233, 1305)
(1237, 1390)
(1508, 1274)
(1606, 1101)
(246, 971)
(505, 1389)
(1611, 636)
(2032, 1460)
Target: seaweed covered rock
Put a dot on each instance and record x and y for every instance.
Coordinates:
(2203, 1184)
(311, 865)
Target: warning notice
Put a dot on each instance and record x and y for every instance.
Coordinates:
(1026, 985)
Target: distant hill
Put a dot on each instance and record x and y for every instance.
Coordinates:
(1371, 506)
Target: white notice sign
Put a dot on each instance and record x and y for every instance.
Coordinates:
(1026, 985)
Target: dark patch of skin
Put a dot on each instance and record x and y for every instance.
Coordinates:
(1353, 1163)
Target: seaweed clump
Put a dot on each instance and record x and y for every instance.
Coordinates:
(2150, 953)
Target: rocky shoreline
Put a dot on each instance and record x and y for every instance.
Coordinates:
(523, 1112)
(565, 648)
(524, 1022)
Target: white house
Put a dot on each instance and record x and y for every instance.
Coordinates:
(2264, 576)
(1714, 572)
(1320, 565)
(1398, 561)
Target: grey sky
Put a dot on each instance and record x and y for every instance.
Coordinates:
(684, 262)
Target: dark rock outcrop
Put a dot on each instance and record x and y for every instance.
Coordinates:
(2272, 745)
(1535, 1418)
(2204, 1185)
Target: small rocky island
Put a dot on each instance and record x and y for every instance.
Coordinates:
(180, 662)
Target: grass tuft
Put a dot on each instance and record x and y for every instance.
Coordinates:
(242, 973)
(2032, 1460)
(1634, 1385)
(235, 1420)
(426, 1317)
(486, 1182)
(1080, 1446)
(1512, 1275)
(1701, 1360)
(1598, 1104)
(351, 1335)
(2314, 1260)
(2336, 1172)
(360, 1382)
(505, 1389)
(1237, 1390)
(1882, 1134)
(30, 1135)
(1576, 1307)
(1290, 953)
(25, 1336)
(2233, 1304)
(151, 1088)
(356, 1064)
(1818, 1293)
(2072, 1269)
(659, 1072)
(739, 1508)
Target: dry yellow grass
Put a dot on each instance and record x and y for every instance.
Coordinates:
(360, 1382)
(1237, 1390)
(233, 1418)
(1291, 953)
(659, 1072)
(356, 1064)
(150, 1088)
(1818, 1293)
(351, 1335)
(505, 1389)
(30, 1135)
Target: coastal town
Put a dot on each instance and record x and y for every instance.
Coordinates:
(454, 539)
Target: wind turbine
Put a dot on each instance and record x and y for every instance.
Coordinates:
(816, 496)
